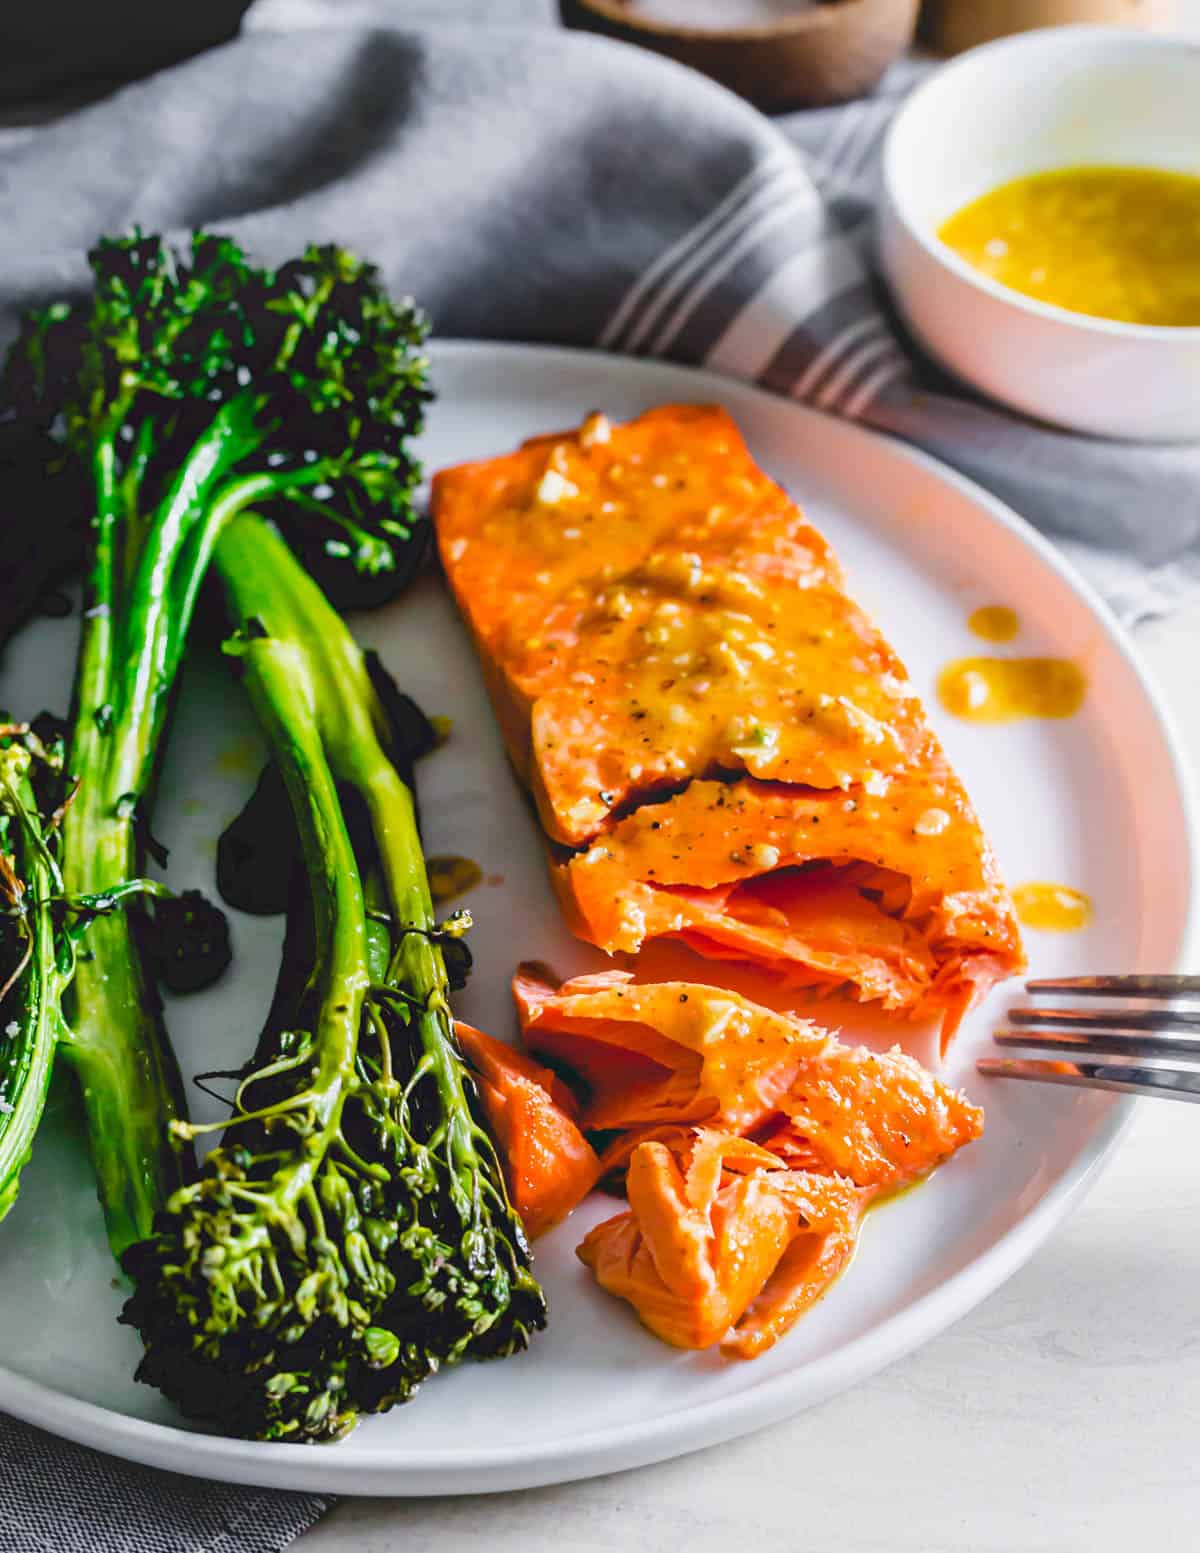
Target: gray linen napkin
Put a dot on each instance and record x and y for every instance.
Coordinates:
(61, 1498)
(528, 184)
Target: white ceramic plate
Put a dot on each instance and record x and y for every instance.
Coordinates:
(1097, 802)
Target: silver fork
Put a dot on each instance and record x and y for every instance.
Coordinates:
(1152, 1050)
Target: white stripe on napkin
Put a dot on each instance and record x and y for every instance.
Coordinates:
(805, 283)
(701, 262)
(791, 205)
(611, 336)
(827, 359)
(858, 403)
(843, 380)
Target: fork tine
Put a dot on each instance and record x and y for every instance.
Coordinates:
(1166, 1083)
(1122, 1043)
(1119, 986)
(1180, 1020)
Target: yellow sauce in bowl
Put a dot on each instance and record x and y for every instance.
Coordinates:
(1116, 242)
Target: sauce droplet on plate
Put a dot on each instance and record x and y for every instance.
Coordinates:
(1052, 908)
(994, 623)
(450, 877)
(242, 757)
(1001, 690)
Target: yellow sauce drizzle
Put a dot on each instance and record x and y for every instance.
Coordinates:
(1000, 690)
(1115, 242)
(450, 877)
(994, 623)
(1052, 908)
(242, 757)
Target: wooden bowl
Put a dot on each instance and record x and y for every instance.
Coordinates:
(951, 26)
(829, 53)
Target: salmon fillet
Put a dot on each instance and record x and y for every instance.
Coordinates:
(721, 745)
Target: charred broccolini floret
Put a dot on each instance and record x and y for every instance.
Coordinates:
(351, 1232)
(187, 389)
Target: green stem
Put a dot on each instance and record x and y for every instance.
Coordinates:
(153, 626)
(117, 1047)
(128, 658)
(33, 1003)
(133, 529)
(264, 581)
(140, 606)
(128, 1078)
(130, 653)
(278, 679)
(234, 498)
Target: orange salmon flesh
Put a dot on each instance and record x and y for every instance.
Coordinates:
(748, 1144)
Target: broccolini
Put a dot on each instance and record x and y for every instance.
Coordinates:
(188, 389)
(351, 1232)
(35, 946)
(41, 931)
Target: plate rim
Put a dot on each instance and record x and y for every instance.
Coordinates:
(417, 1473)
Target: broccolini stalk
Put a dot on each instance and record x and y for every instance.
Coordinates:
(352, 1231)
(40, 930)
(191, 389)
(37, 954)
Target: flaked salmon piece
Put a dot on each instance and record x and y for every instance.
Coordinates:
(549, 1166)
(699, 1051)
(818, 1253)
(714, 1057)
(651, 608)
(893, 893)
(694, 1248)
(720, 1244)
(729, 1238)
(877, 1118)
(676, 1136)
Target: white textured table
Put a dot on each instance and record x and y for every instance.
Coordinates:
(1060, 1417)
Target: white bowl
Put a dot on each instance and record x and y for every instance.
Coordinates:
(1060, 97)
